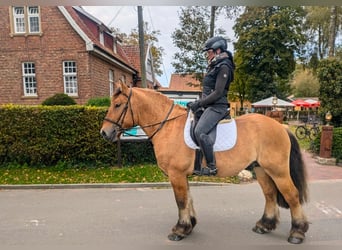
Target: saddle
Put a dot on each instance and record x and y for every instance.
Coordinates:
(224, 134)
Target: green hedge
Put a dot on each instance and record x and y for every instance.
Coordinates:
(46, 135)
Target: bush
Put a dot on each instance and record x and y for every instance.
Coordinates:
(59, 99)
(99, 102)
(43, 135)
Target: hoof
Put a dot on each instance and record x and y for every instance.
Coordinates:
(175, 237)
(259, 230)
(295, 240)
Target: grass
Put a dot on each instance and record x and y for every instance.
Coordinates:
(66, 174)
(14, 175)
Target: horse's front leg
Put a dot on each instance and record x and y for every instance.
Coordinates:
(186, 213)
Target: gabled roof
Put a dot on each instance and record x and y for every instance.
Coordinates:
(180, 82)
(268, 103)
(75, 16)
(133, 54)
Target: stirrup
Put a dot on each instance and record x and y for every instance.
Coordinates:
(205, 171)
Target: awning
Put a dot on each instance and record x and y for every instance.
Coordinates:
(268, 103)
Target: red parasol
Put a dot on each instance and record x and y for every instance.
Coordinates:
(301, 103)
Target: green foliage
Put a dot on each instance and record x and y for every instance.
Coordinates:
(189, 39)
(150, 37)
(337, 144)
(318, 25)
(268, 39)
(305, 83)
(59, 99)
(99, 102)
(329, 74)
(46, 135)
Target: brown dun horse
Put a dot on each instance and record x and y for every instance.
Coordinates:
(261, 141)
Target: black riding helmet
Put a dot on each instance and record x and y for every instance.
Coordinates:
(215, 43)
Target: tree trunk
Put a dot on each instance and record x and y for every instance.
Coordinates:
(212, 20)
(332, 31)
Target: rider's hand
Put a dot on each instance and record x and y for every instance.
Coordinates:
(194, 106)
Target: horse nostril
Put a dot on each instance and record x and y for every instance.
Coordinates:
(103, 133)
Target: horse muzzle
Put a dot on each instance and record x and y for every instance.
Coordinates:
(111, 136)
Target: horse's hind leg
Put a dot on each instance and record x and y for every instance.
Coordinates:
(300, 224)
(270, 217)
(186, 213)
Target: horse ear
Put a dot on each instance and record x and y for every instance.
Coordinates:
(120, 87)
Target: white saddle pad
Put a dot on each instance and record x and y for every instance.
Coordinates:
(225, 135)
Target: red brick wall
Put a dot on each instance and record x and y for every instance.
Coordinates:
(100, 76)
(58, 42)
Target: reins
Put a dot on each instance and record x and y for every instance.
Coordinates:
(124, 112)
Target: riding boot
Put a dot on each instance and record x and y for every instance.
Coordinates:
(208, 152)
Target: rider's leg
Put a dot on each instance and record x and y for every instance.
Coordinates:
(205, 125)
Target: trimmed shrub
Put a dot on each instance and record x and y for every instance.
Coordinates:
(99, 102)
(46, 135)
(59, 99)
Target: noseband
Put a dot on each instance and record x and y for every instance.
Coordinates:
(124, 112)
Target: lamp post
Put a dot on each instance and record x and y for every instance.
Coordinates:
(274, 102)
(326, 142)
(328, 117)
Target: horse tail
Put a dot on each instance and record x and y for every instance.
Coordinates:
(297, 172)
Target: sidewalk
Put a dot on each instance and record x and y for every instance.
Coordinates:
(320, 172)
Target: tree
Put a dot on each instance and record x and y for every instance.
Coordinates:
(230, 11)
(197, 24)
(150, 37)
(322, 25)
(268, 40)
(305, 83)
(329, 74)
(333, 30)
(189, 38)
(240, 87)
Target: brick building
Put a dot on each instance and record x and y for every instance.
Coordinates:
(47, 50)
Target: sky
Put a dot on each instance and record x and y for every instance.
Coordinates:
(162, 18)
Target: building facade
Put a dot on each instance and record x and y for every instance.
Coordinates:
(54, 49)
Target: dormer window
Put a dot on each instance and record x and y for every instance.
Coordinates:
(25, 20)
(101, 37)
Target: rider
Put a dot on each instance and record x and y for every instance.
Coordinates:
(214, 102)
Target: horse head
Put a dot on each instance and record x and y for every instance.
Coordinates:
(120, 115)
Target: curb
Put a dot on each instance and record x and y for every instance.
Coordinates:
(104, 185)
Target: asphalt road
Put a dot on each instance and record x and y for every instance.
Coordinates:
(141, 218)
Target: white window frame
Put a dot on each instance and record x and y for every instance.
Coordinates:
(33, 19)
(27, 20)
(19, 20)
(29, 79)
(111, 82)
(70, 78)
(101, 37)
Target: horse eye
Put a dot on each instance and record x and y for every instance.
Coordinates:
(117, 105)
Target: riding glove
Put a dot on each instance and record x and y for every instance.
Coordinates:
(194, 106)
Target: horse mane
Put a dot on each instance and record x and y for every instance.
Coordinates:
(155, 95)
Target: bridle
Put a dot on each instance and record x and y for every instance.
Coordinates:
(123, 114)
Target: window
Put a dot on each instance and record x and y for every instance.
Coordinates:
(111, 82)
(101, 37)
(33, 17)
(26, 20)
(29, 79)
(70, 78)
